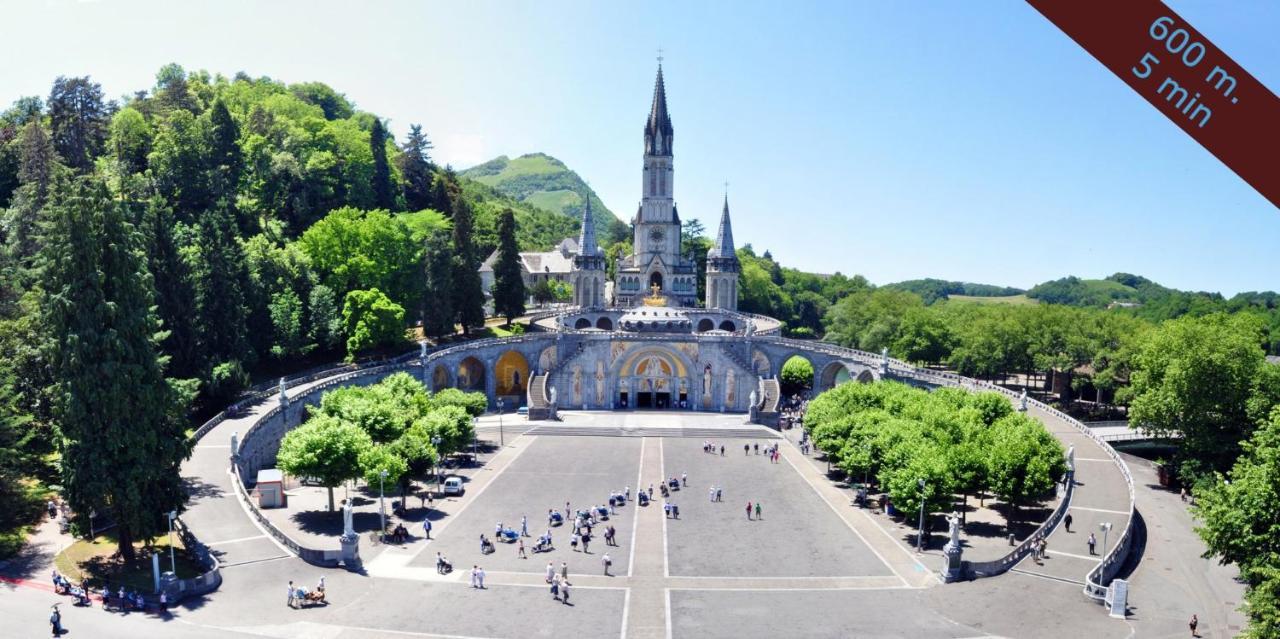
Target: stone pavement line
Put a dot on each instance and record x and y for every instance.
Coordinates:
(647, 615)
(887, 549)
(394, 559)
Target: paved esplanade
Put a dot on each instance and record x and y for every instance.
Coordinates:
(812, 567)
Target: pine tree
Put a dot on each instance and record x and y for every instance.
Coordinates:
(383, 193)
(468, 296)
(416, 170)
(219, 275)
(437, 299)
(37, 166)
(226, 162)
(508, 284)
(78, 118)
(122, 438)
(174, 293)
(444, 191)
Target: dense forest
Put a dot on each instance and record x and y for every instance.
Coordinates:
(161, 251)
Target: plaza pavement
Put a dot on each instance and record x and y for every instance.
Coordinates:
(860, 597)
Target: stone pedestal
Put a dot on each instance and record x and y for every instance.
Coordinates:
(350, 551)
(952, 566)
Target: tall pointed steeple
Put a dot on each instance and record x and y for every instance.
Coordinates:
(658, 132)
(723, 246)
(587, 245)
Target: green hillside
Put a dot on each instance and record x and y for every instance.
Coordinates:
(542, 181)
(932, 290)
(1020, 299)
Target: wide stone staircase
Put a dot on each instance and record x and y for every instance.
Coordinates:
(539, 404)
(745, 432)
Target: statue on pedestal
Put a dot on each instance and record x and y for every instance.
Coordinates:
(952, 567)
(235, 447)
(753, 400)
(552, 397)
(348, 531)
(884, 361)
(953, 521)
(284, 397)
(1022, 401)
(1071, 458)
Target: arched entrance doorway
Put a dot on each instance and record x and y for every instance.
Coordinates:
(512, 374)
(471, 375)
(796, 376)
(833, 375)
(439, 378)
(653, 377)
(655, 278)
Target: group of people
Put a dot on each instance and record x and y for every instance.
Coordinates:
(709, 447)
(63, 586)
(299, 595)
(122, 600)
(559, 581)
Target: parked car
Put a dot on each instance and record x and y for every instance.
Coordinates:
(453, 485)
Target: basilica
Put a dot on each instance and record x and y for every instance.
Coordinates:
(657, 267)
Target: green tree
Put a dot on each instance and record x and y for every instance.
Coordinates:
(796, 376)
(379, 459)
(371, 320)
(326, 324)
(437, 298)
(78, 120)
(468, 296)
(1195, 377)
(415, 448)
(383, 192)
(225, 159)
(324, 448)
(122, 439)
(474, 404)
(922, 337)
(351, 250)
(416, 169)
(452, 425)
(130, 139)
(218, 271)
(508, 284)
(1023, 462)
(37, 166)
(175, 296)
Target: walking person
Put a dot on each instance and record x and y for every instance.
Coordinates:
(480, 577)
(564, 571)
(292, 594)
(684, 479)
(586, 542)
(711, 493)
(555, 587)
(520, 549)
(606, 562)
(426, 528)
(746, 449)
(55, 619)
(1066, 521)
(474, 575)
(748, 511)
(719, 494)
(551, 572)
(1093, 541)
(1194, 623)
(758, 515)
(564, 591)
(524, 526)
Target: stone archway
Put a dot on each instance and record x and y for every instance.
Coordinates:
(439, 378)
(833, 375)
(652, 376)
(760, 364)
(705, 324)
(604, 324)
(865, 377)
(511, 372)
(729, 326)
(655, 278)
(471, 375)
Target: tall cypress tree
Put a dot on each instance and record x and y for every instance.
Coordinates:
(226, 162)
(416, 170)
(122, 438)
(508, 284)
(220, 275)
(37, 165)
(174, 292)
(383, 193)
(468, 296)
(79, 118)
(437, 299)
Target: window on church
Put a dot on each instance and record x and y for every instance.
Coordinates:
(653, 182)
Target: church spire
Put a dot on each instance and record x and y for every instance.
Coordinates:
(657, 129)
(587, 236)
(723, 246)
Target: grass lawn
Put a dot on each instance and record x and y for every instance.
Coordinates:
(1021, 300)
(97, 562)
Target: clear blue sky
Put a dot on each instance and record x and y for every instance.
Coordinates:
(967, 141)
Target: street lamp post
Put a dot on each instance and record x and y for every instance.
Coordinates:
(920, 536)
(501, 439)
(435, 442)
(173, 564)
(1106, 528)
(382, 504)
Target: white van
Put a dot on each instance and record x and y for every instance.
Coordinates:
(453, 485)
